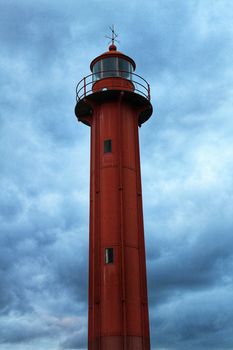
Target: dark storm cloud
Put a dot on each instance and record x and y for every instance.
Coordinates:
(11, 205)
(44, 217)
(199, 320)
(12, 332)
(192, 266)
(35, 215)
(30, 244)
(75, 341)
(32, 29)
(184, 50)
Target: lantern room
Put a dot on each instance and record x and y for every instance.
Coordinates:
(112, 64)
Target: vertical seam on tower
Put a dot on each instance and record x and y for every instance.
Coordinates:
(97, 194)
(122, 225)
(91, 258)
(140, 228)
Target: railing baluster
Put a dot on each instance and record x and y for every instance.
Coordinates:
(84, 82)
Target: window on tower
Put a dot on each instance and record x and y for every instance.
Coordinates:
(107, 146)
(108, 255)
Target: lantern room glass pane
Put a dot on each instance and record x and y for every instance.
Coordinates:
(110, 67)
(125, 68)
(97, 71)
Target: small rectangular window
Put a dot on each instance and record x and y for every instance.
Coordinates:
(108, 255)
(107, 146)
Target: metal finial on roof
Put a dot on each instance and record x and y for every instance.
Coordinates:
(113, 36)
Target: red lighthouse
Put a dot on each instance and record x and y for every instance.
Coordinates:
(114, 101)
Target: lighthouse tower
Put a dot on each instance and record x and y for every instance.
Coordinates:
(114, 101)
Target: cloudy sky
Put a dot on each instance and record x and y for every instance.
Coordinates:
(185, 50)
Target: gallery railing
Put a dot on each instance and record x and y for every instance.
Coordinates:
(86, 86)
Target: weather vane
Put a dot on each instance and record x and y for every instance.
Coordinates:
(113, 37)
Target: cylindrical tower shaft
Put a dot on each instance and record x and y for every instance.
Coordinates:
(118, 310)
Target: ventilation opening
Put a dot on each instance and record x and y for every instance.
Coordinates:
(108, 255)
(107, 146)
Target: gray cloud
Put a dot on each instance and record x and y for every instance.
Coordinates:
(75, 341)
(195, 320)
(185, 52)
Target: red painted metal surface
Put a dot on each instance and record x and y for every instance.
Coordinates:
(118, 303)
